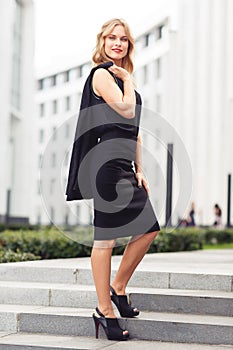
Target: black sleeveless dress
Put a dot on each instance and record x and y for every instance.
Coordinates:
(102, 167)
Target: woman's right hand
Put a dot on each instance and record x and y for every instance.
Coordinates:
(120, 72)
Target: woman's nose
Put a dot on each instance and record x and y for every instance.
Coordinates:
(118, 41)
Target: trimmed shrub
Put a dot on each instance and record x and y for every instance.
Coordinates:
(51, 243)
(10, 256)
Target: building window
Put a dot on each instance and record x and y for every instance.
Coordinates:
(145, 74)
(147, 39)
(41, 135)
(39, 219)
(78, 213)
(67, 158)
(54, 133)
(158, 68)
(66, 76)
(40, 84)
(80, 71)
(53, 160)
(52, 186)
(73, 74)
(67, 103)
(54, 80)
(55, 107)
(39, 187)
(48, 82)
(66, 219)
(42, 110)
(160, 31)
(52, 214)
(40, 159)
(16, 57)
(60, 78)
(67, 132)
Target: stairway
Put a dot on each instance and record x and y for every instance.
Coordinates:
(48, 305)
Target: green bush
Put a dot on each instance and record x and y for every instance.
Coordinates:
(213, 236)
(51, 243)
(10, 256)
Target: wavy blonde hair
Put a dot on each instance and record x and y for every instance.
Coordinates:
(99, 55)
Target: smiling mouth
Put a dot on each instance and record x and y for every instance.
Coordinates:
(117, 50)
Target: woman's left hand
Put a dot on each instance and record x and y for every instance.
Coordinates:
(142, 181)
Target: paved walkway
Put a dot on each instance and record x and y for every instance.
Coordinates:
(200, 261)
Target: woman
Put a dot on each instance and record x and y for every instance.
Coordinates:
(218, 216)
(106, 166)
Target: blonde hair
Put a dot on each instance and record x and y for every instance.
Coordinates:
(99, 55)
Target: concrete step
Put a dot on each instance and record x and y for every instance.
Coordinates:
(153, 326)
(84, 296)
(78, 271)
(29, 341)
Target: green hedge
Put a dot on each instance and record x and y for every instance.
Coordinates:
(10, 256)
(51, 243)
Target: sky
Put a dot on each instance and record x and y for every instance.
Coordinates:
(66, 29)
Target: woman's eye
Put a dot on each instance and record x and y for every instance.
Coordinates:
(111, 37)
(124, 39)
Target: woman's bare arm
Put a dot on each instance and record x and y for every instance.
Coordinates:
(105, 86)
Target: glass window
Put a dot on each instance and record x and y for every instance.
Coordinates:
(158, 68)
(147, 39)
(66, 76)
(40, 84)
(55, 109)
(52, 185)
(16, 60)
(67, 158)
(80, 71)
(78, 213)
(53, 160)
(67, 130)
(39, 187)
(54, 133)
(47, 82)
(60, 78)
(53, 80)
(145, 74)
(41, 135)
(73, 74)
(38, 219)
(42, 110)
(52, 214)
(67, 103)
(40, 159)
(66, 219)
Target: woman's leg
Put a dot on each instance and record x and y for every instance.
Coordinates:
(101, 270)
(133, 254)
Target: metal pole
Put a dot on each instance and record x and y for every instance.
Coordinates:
(8, 205)
(169, 184)
(229, 201)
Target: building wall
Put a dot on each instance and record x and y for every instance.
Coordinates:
(17, 104)
(183, 70)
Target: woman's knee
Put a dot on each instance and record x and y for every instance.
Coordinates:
(104, 244)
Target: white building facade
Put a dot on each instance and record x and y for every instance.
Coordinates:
(184, 73)
(16, 108)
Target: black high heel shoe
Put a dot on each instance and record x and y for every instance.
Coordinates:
(111, 327)
(122, 305)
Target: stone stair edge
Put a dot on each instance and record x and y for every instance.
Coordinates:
(20, 340)
(130, 290)
(145, 315)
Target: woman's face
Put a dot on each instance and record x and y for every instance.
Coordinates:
(116, 44)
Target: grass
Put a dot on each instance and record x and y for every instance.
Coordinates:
(218, 246)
